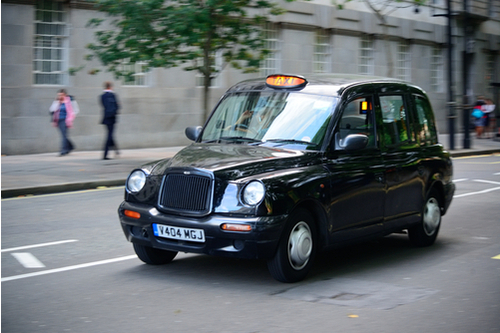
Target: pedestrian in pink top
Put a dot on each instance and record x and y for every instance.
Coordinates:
(63, 111)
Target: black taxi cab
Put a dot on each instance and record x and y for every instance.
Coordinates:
(287, 166)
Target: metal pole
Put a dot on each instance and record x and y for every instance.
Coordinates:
(466, 59)
(451, 102)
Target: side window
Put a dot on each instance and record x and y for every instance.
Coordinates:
(426, 129)
(395, 120)
(357, 118)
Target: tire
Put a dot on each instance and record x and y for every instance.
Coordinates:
(425, 233)
(153, 256)
(296, 249)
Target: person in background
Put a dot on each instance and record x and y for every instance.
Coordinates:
(488, 109)
(478, 115)
(63, 111)
(110, 109)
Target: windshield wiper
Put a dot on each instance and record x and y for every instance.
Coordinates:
(300, 142)
(238, 138)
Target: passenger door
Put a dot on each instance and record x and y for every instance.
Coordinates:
(356, 206)
(400, 154)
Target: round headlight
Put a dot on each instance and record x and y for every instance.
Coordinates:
(136, 181)
(253, 193)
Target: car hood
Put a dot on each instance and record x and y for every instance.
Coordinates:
(235, 160)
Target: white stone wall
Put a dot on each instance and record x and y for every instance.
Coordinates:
(156, 115)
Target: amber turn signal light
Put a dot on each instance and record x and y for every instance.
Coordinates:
(236, 227)
(132, 214)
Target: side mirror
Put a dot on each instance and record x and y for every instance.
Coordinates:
(193, 132)
(354, 142)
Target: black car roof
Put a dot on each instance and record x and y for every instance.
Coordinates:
(321, 84)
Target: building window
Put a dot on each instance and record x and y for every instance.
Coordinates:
(366, 63)
(271, 65)
(489, 75)
(217, 68)
(403, 70)
(135, 74)
(437, 69)
(322, 57)
(49, 43)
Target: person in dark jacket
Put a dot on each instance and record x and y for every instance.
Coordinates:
(110, 108)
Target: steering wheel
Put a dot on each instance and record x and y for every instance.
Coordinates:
(245, 129)
(240, 127)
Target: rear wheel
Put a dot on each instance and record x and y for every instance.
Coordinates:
(425, 233)
(153, 256)
(296, 249)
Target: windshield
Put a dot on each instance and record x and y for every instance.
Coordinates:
(271, 118)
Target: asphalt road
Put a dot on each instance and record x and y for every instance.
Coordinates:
(66, 267)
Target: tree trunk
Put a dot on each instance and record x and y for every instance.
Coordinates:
(388, 51)
(207, 70)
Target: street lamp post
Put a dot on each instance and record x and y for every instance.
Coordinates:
(468, 51)
(451, 97)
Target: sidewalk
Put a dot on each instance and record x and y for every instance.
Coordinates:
(49, 173)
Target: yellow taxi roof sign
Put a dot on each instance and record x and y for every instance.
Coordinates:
(285, 81)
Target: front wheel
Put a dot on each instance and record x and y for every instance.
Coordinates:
(153, 256)
(425, 233)
(296, 249)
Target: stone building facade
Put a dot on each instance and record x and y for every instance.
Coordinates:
(44, 44)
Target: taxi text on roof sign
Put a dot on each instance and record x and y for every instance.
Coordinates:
(285, 81)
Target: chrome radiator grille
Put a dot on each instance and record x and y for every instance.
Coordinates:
(186, 193)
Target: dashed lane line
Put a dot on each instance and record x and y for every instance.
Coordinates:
(68, 268)
(38, 245)
(28, 260)
(479, 192)
(486, 181)
(474, 193)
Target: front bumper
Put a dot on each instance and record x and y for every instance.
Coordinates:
(259, 243)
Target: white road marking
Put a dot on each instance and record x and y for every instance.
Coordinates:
(496, 174)
(28, 260)
(39, 245)
(68, 268)
(474, 193)
(486, 181)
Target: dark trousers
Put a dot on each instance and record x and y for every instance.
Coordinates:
(110, 142)
(66, 144)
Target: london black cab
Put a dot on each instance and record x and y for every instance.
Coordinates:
(287, 166)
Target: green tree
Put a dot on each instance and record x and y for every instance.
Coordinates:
(188, 33)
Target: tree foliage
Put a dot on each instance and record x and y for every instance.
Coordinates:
(169, 33)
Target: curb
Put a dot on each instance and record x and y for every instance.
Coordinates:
(474, 153)
(59, 188)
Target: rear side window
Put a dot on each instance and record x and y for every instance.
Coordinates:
(426, 128)
(395, 120)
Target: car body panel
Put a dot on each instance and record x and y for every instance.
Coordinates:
(352, 195)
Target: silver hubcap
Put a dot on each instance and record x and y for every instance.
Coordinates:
(432, 216)
(300, 245)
